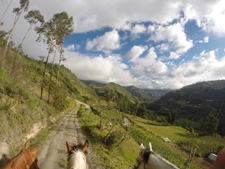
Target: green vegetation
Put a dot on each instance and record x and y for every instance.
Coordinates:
(115, 148)
(20, 103)
(105, 140)
(116, 143)
(181, 137)
(129, 99)
(194, 102)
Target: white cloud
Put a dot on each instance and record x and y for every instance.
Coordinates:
(208, 14)
(138, 28)
(148, 66)
(153, 73)
(108, 42)
(206, 39)
(204, 67)
(174, 55)
(135, 52)
(174, 36)
(151, 28)
(96, 14)
(70, 47)
(98, 68)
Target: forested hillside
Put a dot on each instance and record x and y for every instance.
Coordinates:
(195, 102)
(129, 99)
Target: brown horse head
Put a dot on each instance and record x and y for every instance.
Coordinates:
(26, 159)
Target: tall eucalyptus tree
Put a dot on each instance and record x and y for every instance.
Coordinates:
(33, 17)
(65, 27)
(23, 7)
(54, 32)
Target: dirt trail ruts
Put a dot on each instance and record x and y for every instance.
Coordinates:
(53, 155)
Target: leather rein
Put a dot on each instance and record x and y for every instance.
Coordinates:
(137, 166)
(145, 156)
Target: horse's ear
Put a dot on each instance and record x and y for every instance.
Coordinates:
(141, 148)
(69, 148)
(85, 147)
(33, 153)
(26, 145)
(150, 146)
(34, 150)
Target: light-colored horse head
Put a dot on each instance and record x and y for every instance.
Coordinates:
(77, 156)
(148, 159)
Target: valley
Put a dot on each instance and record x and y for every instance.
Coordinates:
(115, 119)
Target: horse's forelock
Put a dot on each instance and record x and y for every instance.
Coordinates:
(76, 148)
(146, 155)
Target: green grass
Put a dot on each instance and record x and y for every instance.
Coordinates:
(20, 103)
(180, 136)
(125, 154)
(159, 146)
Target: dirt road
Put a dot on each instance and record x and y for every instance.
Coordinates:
(54, 154)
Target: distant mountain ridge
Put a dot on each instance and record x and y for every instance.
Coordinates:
(211, 93)
(128, 99)
(144, 95)
(147, 95)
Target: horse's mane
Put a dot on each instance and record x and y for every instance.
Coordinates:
(76, 159)
(147, 155)
(76, 148)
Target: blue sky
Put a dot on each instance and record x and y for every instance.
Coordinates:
(147, 43)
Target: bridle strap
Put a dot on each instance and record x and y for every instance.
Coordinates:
(136, 167)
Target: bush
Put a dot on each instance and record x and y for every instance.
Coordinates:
(59, 98)
(114, 137)
(3, 73)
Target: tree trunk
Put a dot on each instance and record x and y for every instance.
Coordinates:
(60, 57)
(5, 11)
(11, 31)
(50, 80)
(118, 144)
(20, 47)
(46, 62)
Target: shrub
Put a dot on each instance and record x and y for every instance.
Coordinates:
(114, 137)
(59, 98)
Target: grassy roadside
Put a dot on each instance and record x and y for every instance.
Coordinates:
(43, 135)
(106, 139)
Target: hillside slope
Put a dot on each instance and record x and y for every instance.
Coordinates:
(146, 95)
(194, 102)
(20, 105)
